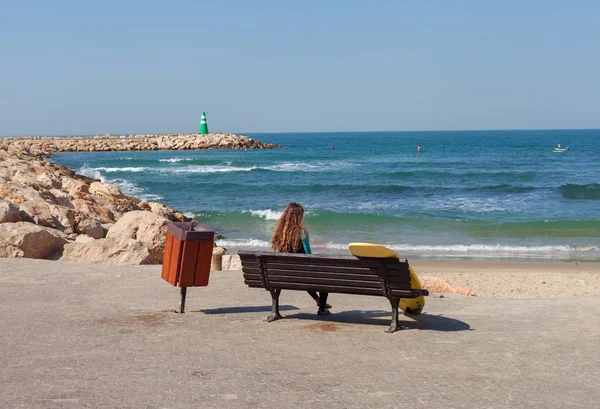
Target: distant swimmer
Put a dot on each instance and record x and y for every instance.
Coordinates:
(332, 147)
(419, 148)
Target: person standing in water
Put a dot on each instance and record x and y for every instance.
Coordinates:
(419, 148)
(290, 236)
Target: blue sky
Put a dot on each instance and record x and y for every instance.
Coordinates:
(78, 67)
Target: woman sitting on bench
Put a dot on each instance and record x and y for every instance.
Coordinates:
(290, 236)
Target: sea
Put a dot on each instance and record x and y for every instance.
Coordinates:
(468, 195)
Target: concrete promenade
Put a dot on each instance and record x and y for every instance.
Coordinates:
(75, 335)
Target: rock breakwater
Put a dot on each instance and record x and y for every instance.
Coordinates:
(47, 145)
(49, 211)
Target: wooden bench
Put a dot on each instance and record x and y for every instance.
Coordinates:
(386, 277)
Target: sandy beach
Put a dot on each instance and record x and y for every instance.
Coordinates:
(513, 280)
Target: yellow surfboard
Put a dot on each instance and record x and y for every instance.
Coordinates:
(408, 305)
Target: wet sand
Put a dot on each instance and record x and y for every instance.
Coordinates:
(511, 280)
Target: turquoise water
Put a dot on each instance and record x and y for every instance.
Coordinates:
(468, 194)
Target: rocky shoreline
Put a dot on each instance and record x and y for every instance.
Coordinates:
(47, 211)
(47, 145)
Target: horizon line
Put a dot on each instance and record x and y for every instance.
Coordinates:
(309, 132)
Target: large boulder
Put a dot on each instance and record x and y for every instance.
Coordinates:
(73, 186)
(22, 239)
(47, 181)
(164, 211)
(87, 209)
(105, 189)
(109, 251)
(84, 239)
(63, 218)
(145, 227)
(9, 213)
(91, 227)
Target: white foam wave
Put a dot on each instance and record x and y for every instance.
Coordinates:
(124, 169)
(449, 251)
(484, 249)
(150, 197)
(124, 185)
(127, 187)
(252, 243)
(291, 167)
(209, 169)
(306, 167)
(190, 215)
(175, 160)
(266, 214)
(85, 170)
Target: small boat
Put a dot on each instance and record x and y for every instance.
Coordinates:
(560, 149)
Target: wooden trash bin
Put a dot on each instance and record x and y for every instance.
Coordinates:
(187, 257)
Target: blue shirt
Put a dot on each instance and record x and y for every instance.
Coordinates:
(305, 241)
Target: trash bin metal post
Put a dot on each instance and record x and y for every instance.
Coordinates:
(182, 300)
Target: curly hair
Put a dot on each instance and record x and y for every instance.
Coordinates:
(287, 234)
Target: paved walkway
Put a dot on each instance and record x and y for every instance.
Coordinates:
(78, 335)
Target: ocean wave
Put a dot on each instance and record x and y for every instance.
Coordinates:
(93, 173)
(455, 173)
(126, 186)
(175, 160)
(251, 243)
(447, 250)
(586, 192)
(306, 167)
(150, 197)
(490, 249)
(208, 169)
(267, 214)
(123, 169)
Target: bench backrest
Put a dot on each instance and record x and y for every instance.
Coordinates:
(339, 274)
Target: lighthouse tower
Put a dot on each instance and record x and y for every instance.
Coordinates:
(203, 124)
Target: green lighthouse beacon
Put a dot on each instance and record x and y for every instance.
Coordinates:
(203, 125)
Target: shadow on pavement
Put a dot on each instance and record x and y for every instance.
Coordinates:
(423, 321)
(246, 309)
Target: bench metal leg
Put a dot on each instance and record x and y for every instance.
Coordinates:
(395, 325)
(275, 315)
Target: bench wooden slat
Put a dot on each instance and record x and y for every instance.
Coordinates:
(406, 293)
(252, 283)
(251, 269)
(248, 258)
(317, 273)
(252, 276)
(324, 281)
(288, 259)
(318, 267)
(395, 279)
(327, 288)
(403, 293)
(400, 286)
